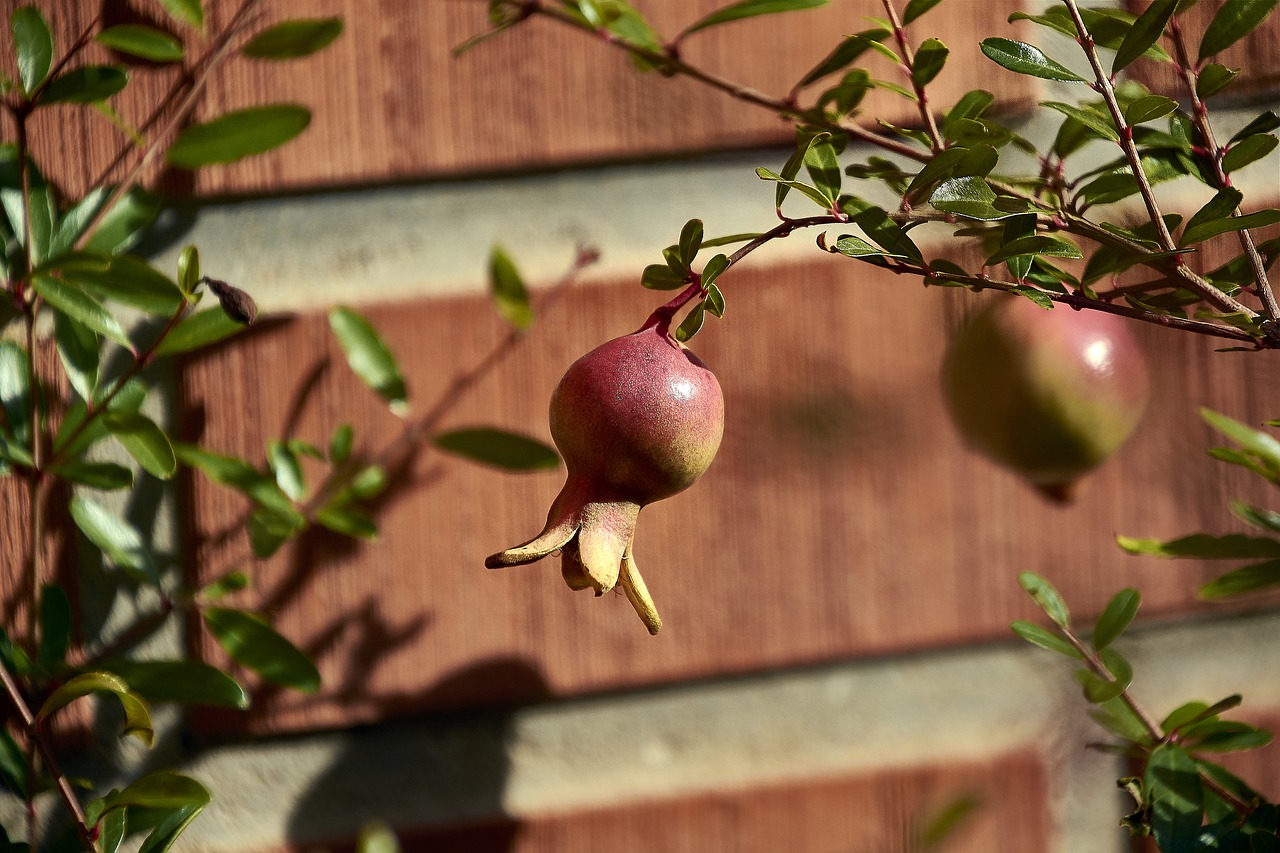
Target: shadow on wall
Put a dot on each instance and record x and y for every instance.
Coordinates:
(438, 781)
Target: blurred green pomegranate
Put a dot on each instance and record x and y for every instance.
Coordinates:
(1050, 394)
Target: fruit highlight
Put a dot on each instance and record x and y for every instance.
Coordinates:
(637, 419)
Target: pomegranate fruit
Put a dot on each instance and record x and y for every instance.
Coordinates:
(1050, 394)
(637, 419)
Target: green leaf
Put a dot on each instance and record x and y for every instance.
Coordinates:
(85, 84)
(1098, 689)
(1116, 617)
(129, 398)
(1201, 546)
(75, 220)
(499, 448)
(143, 41)
(507, 290)
(1264, 122)
(229, 583)
(183, 682)
(843, 55)
(750, 9)
(163, 790)
(1044, 638)
(1255, 441)
(166, 832)
(112, 829)
(13, 766)
(235, 473)
(1233, 21)
(916, 8)
(690, 241)
(284, 464)
(292, 39)
(188, 269)
(661, 277)
(106, 476)
(137, 716)
(259, 647)
(348, 521)
(15, 393)
(1203, 231)
(189, 12)
(1257, 516)
(968, 196)
(815, 195)
(1213, 78)
(1046, 598)
(1145, 32)
(713, 269)
(1149, 108)
(823, 167)
(856, 247)
(369, 356)
(1023, 58)
(125, 222)
(269, 529)
(1036, 244)
(1195, 712)
(970, 106)
(80, 306)
(929, 60)
(33, 44)
(129, 280)
(1119, 719)
(1172, 783)
(144, 440)
(1215, 735)
(1089, 117)
(237, 135)
(882, 230)
(340, 443)
(55, 627)
(1248, 579)
(1248, 150)
(198, 330)
(119, 541)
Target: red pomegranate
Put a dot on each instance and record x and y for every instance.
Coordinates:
(637, 419)
(1050, 394)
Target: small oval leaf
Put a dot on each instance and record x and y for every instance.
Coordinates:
(499, 448)
(237, 135)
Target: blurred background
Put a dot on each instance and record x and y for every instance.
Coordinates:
(836, 671)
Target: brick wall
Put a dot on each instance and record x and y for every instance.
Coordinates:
(836, 665)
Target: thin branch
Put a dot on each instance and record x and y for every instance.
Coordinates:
(1189, 77)
(1211, 294)
(34, 734)
(909, 65)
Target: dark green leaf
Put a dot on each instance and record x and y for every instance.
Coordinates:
(1116, 618)
(1098, 689)
(1145, 32)
(929, 60)
(75, 220)
(1257, 516)
(291, 39)
(970, 106)
(144, 440)
(882, 230)
(968, 196)
(817, 196)
(270, 528)
(184, 682)
(507, 289)
(96, 475)
(1017, 228)
(163, 790)
(229, 583)
(1046, 597)
(166, 832)
(845, 53)
(1247, 579)
(235, 473)
(855, 247)
(1201, 546)
(1149, 108)
(1023, 58)
(751, 8)
(137, 716)
(661, 277)
(1195, 712)
(690, 240)
(1232, 22)
(1223, 204)
(1036, 244)
(80, 306)
(1213, 78)
(33, 44)
(119, 541)
(916, 8)
(499, 448)
(713, 269)
(1205, 230)
(824, 168)
(15, 393)
(129, 280)
(199, 330)
(1119, 719)
(1268, 121)
(55, 627)
(125, 222)
(714, 301)
(1089, 117)
(1172, 783)
(13, 765)
(369, 356)
(1248, 150)
(237, 135)
(128, 399)
(1044, 638)
(189, 12)
(340, 443)
(1224, 736)
(143, 41)
(348, 521)
(259, 647)
(112, 830)
(85, 84)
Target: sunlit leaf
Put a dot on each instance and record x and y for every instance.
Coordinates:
(1036, 244)
(507, 289)
(238, 134)
(119, 541)
(369, 356)
(1046, 597)
(292, 39)
(125, 222)
(144, 440)
(348, 521)
(142, 41)
(256, 645)
(80, 306)
(1232, 22)
(190, 12)
(137, 715)
(183, 682)
(33, 43)
(1024, 58)
(198, 330)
